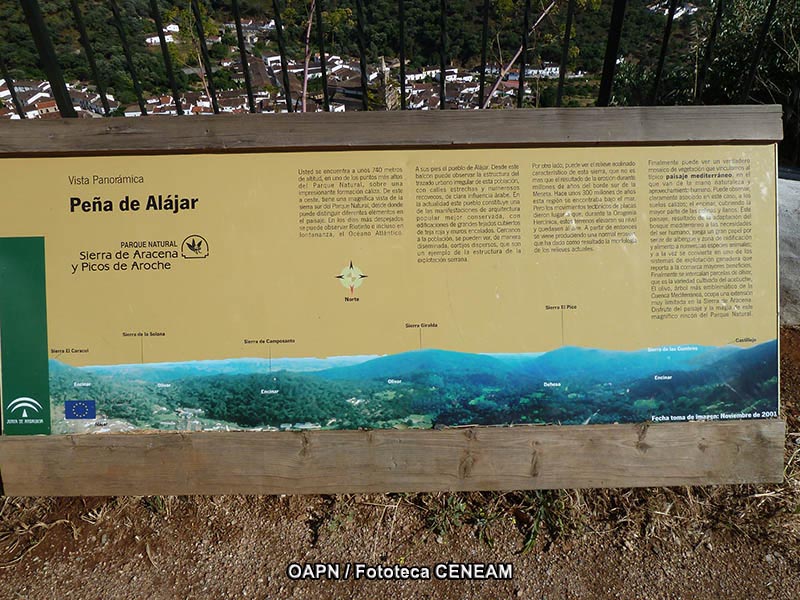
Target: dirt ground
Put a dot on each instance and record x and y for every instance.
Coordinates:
(698, 543)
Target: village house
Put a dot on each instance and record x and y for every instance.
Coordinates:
(154, 40)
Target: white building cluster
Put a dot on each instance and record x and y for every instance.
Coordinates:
(343, 84)
(38, 103)
(662, 6)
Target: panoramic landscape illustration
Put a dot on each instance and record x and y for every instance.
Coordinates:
(428, 388)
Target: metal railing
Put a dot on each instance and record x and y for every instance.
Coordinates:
(59, 90)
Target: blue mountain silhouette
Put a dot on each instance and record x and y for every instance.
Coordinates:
(442, 362)
(569, 363)
(740, 375)
(595, 365)
(566, 364)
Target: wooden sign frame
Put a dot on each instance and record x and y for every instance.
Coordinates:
(469, 458)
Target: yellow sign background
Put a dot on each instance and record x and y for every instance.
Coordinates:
(261, 281)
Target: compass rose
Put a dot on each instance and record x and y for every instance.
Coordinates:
(351, 277)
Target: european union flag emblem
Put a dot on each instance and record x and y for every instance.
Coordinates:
(80, 409)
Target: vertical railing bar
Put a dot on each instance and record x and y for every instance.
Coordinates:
(173, 84)
(362, 52)
(562, 68)
(484, 45)
(709, 53)
(662, 56)
(10, 83)
(201, 34)
(237, 18)
(123, 37)
(526, 21)
(442, 54)
(504, 71)
(401, 9)
(282, 50)
(87, 47)
(322, 56)
(762, 38)
(47, 54)
(612, 48)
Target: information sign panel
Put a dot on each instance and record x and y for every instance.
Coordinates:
(388, 289)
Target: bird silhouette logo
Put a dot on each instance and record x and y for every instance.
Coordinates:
(194, 246)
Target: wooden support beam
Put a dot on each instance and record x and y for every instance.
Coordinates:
(458, 459)
(395, 130)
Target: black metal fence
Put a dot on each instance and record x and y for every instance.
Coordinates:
(50, 63)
